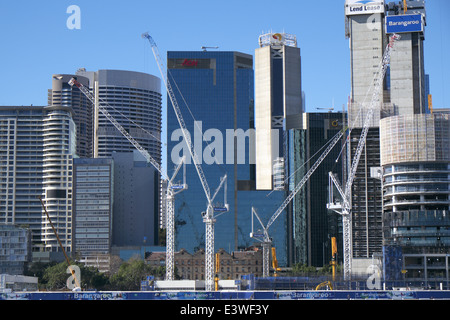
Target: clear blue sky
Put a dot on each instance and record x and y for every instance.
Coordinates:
(36, 43)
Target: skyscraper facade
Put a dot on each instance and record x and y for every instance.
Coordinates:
(278, 105)
(38, 148)
(320, 225)
(408, 83)
(136, 200)
(63, 94)
(365, 30)
(93, 195)
(278, 128)
(134, 99)
(415, 157)
(218, 89)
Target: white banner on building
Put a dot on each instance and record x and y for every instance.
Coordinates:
(353, 7)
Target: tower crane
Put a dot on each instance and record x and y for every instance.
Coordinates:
(172, 187)
(209, 217)
(345, 207)
(264, 237)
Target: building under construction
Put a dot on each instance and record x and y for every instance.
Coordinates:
(368, 29)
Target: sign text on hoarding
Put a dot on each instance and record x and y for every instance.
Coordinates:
(404, 23)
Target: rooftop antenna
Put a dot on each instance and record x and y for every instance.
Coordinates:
(204, 48)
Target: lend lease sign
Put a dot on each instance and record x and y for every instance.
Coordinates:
(353, 7)
(404, 23)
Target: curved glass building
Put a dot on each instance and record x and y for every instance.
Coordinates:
(135, 101)
(415, 157)
(59, 144)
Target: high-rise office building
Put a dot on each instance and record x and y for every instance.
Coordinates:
(367, 40)
(136, 200)
(320, 224)
(412, 181)
(134, 99)
(65, 95)
(366, 33)
(408, 82)
(93, 196)
(278, 105)
(21, 167)
(415, 157)
(218, 88)
(38, 147)
(278, 127)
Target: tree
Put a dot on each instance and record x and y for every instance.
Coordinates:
(130, 275)
(55, 277)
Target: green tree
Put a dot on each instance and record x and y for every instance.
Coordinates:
(302, 269)
(55, 277)
(130, 275)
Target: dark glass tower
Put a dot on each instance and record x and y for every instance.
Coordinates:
(218, 88)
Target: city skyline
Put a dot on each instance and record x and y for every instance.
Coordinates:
(390, 214)
(109, 38)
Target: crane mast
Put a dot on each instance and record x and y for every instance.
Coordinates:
(265, 238)
(208, 216)
(172, 189)
(346, 193)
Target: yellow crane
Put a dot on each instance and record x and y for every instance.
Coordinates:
(333, 256)
(333, 262)
(275, 262)
(216, 277)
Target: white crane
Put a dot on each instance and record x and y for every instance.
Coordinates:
(172, 188)
(345, 207)
(264, 237)
(208, 216)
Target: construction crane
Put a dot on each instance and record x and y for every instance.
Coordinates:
(333, 256)
(172, 187)
(209, 217)
(344, 208)
(275, 267)
(217, 270)
(263, 237)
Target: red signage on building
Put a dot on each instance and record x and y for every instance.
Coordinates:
(189, 63)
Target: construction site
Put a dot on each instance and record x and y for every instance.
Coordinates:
(409, 190)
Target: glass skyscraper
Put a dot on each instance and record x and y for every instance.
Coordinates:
(216, 91)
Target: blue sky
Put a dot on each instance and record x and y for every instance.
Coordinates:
(36, 42)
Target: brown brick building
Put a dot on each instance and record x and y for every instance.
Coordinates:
(232, 266)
